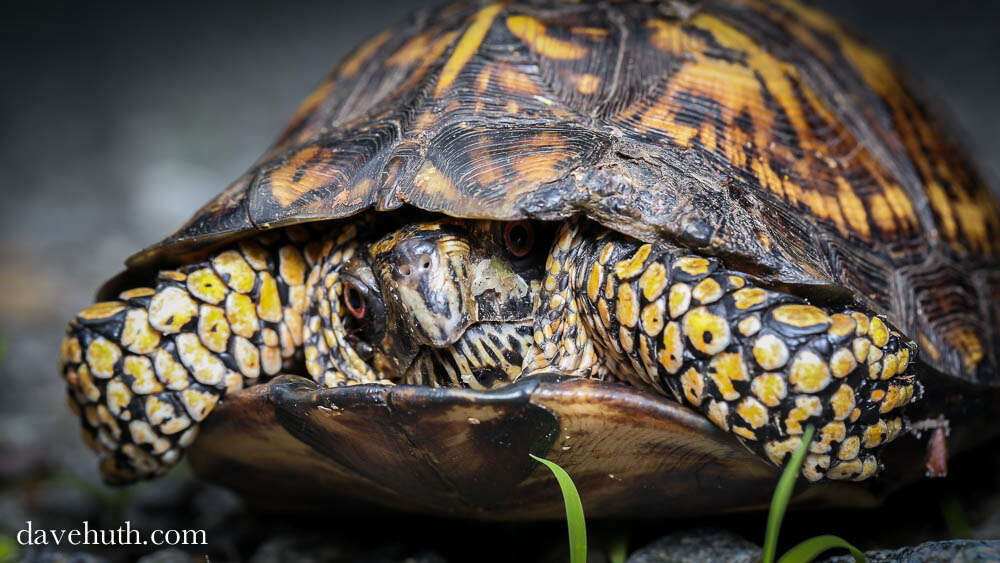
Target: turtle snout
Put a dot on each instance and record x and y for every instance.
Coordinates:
(417, 260)
(429, 288)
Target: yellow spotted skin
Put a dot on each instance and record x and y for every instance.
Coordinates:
(759, 363)
(144, 370)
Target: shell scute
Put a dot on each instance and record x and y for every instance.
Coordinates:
(759, 131)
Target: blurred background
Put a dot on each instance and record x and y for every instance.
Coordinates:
(118, 120)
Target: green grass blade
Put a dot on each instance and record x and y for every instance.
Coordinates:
(782, 493)
(8, 549)
(954, 517)
(574, 512)
(809, 549)
(618, 548)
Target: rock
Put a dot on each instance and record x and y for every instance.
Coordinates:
(290, 548)
(171, 555)
(313, 548)
(700, 545)
(47, 555)
(933, 552)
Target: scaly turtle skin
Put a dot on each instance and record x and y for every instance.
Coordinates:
(735, 207)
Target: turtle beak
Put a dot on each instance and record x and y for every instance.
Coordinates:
(427, 272)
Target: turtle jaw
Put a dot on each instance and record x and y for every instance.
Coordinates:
(488, 355)
(447, 286)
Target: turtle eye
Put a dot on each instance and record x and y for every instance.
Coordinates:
(354, 301)
(519, 236)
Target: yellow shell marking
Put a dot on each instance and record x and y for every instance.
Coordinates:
(842, 325)
(169, 371)
(204, 366)
(118, 398)
(749, 325)
(863, 323)
(232, 268)
(170, 309)
(532, 32)
(707, 332)
(814, 467)
(693, 385)
(875, 434)
(860, 347)
(627, 306)
(752, 412)
(467, 47)
(679, 299)
(137, 336)
(141, 369)
(198, 403)
(587, 83)
(269, 306)
(707, 291)
(717, 413)
(842, 363)
(800, 316)
(270, 359)
(213, 328)
(172, 275)
(724, 369)
(904, 360)
(90, 390)
(809, 372)
(692, 265)
(777, 450)
(842, 402)
(594, 281)
(770, 352)
(671, 356)
(631, 267)
(254, 254)
(101, 310)
(291, 265)
(749, 297)
(879, 332)
(136, 293)
(102, 355)
(206, 285)
(652, 318)
(889, 364)
(849, 448)
(804, 408)
(770, 388)
(653, 281)
(69, 351)
(242, 315)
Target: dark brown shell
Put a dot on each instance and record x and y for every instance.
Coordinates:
(760, 133)
(292, 445)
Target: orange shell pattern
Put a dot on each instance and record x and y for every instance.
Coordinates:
(764, 134)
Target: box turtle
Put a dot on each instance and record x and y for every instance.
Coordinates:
(650, 241)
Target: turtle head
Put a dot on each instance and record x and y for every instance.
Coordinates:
(424, 285)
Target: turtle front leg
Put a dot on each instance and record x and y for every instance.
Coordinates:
(759, 363)
(143, 371)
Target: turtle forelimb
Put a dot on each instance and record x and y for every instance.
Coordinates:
(759, 363)
(143, 371)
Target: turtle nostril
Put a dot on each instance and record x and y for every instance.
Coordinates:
(404, 269)
(425, 261)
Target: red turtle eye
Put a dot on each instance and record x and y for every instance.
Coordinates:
(519, 236)
(354, 301)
